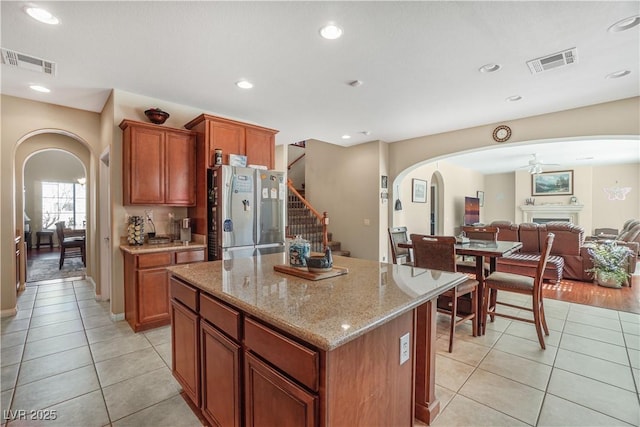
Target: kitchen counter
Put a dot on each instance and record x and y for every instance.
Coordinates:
(163, 247)
(325, 313)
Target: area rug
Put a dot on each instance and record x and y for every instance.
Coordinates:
(47, 269)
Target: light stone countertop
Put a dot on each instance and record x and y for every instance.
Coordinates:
(164, 247)
(325, 313)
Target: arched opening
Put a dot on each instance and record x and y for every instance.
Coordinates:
(54, 190)
(61, 157)
(436, 204)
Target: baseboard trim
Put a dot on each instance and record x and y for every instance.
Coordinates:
(117, 317)
(8, 312)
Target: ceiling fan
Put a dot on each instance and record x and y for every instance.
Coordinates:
(535, 165)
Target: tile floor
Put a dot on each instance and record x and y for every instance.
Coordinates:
(62, 352)
(589, 375)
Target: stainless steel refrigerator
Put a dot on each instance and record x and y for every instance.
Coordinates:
(246, 212)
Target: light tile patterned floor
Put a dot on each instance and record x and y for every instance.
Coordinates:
(587, 376)
(65, 354)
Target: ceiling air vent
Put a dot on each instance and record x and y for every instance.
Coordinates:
(556, 60)
(27, 62)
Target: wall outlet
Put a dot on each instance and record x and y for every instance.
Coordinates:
(405, 348)
(148, 213)
(367, 221)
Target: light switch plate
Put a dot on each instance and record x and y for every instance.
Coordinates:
(404, 348)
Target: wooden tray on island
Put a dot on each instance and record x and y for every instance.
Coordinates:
(335, 271)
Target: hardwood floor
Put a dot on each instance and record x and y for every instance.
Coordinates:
(624, 299)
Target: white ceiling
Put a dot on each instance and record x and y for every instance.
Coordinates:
(418, 61)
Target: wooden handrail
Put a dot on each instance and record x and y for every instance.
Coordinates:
(323, 218)
(292, 163)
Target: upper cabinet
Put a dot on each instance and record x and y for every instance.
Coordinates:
(255, 142)
(158, 165)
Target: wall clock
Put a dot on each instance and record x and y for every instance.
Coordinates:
(501, 133)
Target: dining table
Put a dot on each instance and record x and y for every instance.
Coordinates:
(481, 249)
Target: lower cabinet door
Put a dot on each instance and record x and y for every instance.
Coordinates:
(274, 400)
(220, 357)
(153, 296)
(185, 350)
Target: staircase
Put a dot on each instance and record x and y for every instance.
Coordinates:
(305, 221)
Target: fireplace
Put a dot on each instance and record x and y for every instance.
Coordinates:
(546, 220)
(542, 214)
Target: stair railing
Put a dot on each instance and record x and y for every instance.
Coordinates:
(310, 223)
(295, 161)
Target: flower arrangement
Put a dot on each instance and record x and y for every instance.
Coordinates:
(609, 262)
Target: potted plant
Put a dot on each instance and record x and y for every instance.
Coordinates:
(610, 264)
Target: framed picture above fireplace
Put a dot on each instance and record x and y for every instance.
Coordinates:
(558, 183)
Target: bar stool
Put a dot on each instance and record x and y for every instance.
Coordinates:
(44, 237)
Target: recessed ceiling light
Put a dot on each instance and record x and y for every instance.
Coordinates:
(618, 74)
(38, 88)
(41, 15)
(331, 32)
(244, 84)
(489, 68)
(513, 98)
(346, 136)
(625, 24)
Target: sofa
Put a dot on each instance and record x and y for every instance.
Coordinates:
(629, 235)
(569, 256)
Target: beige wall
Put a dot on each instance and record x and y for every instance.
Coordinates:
(21, 120)
(345, 182)
(613, 213)
(499, 197)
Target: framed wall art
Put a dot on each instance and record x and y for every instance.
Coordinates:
(480, 196)
(419, 191)
(558, 183)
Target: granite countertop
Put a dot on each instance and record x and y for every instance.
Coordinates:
(325, 313)
(164, 247)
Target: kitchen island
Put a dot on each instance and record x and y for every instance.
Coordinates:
(254, 346)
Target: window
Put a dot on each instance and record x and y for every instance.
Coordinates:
(63, 201)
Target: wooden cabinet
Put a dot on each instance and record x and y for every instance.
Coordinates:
(221, 379)
(146, 285)
(260, 147)
(228, 137)
(180, 176)
(153, 295)
(232, 137)
(185, 354)
(274, 400)
(158, 165)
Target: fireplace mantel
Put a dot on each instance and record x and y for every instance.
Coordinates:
(566, 212)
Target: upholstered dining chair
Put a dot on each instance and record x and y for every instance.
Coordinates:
(399, 255)
(509, 282)
(70, 246)
(473, 232)
(438, 253)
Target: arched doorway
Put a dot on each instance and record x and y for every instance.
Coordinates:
(54, 145)
(54, 190)
(436, 196)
